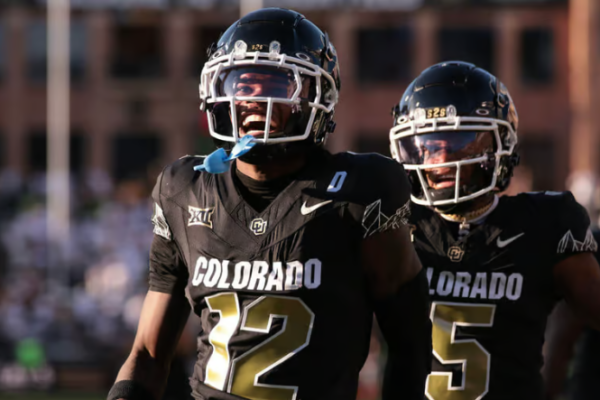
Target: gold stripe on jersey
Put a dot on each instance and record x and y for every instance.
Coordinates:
(226, 304)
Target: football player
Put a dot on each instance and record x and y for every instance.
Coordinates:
(283, 249)
(496, 265)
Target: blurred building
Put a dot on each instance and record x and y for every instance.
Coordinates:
(135, 73)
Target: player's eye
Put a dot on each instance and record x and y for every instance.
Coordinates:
(243, 90)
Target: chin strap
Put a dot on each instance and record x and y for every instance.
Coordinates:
(218, 161)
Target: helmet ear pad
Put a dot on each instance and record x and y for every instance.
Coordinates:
(220, 114)
(507, 169)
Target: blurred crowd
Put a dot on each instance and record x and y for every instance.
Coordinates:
(76, 298)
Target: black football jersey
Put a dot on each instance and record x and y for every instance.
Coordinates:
(492, 292)
(281, 293)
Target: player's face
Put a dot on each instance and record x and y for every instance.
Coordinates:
(261, 82)
(445, 147)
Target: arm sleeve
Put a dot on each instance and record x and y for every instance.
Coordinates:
(168, 272)
(402, 309)
(570, 233)
(406, 327)
(385, 197)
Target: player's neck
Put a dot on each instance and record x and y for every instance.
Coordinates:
(477, 208)
(272, 170)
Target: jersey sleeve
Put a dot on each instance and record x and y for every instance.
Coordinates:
(570, 232)
(596, 233)
(168, 272)
(385, 199)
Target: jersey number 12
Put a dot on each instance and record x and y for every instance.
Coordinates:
(245, 370)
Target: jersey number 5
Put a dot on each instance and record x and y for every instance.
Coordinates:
(470, 353)
(245, 370)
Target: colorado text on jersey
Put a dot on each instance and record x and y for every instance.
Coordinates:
(255, 275)
(480, 285)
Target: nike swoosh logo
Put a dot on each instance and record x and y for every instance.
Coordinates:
(504, 243)
(307, 210)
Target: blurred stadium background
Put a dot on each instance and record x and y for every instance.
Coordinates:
(95, 99)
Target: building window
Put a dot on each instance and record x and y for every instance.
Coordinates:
(474, 45)
(2, 52)
(79, 42)
(537, 155)
(537, 56)
(3, 152)
(384, 55)
(37, 148)
(134, 154)
(138, 52)
(458, 3)
(204, 37)
(37, 50)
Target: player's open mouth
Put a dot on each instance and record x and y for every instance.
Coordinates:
(442, 181)
(254, 124)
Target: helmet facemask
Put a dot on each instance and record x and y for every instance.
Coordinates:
(451, 159)
(274, 97)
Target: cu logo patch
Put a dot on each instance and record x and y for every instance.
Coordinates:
(258, 226)
(455, 254)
